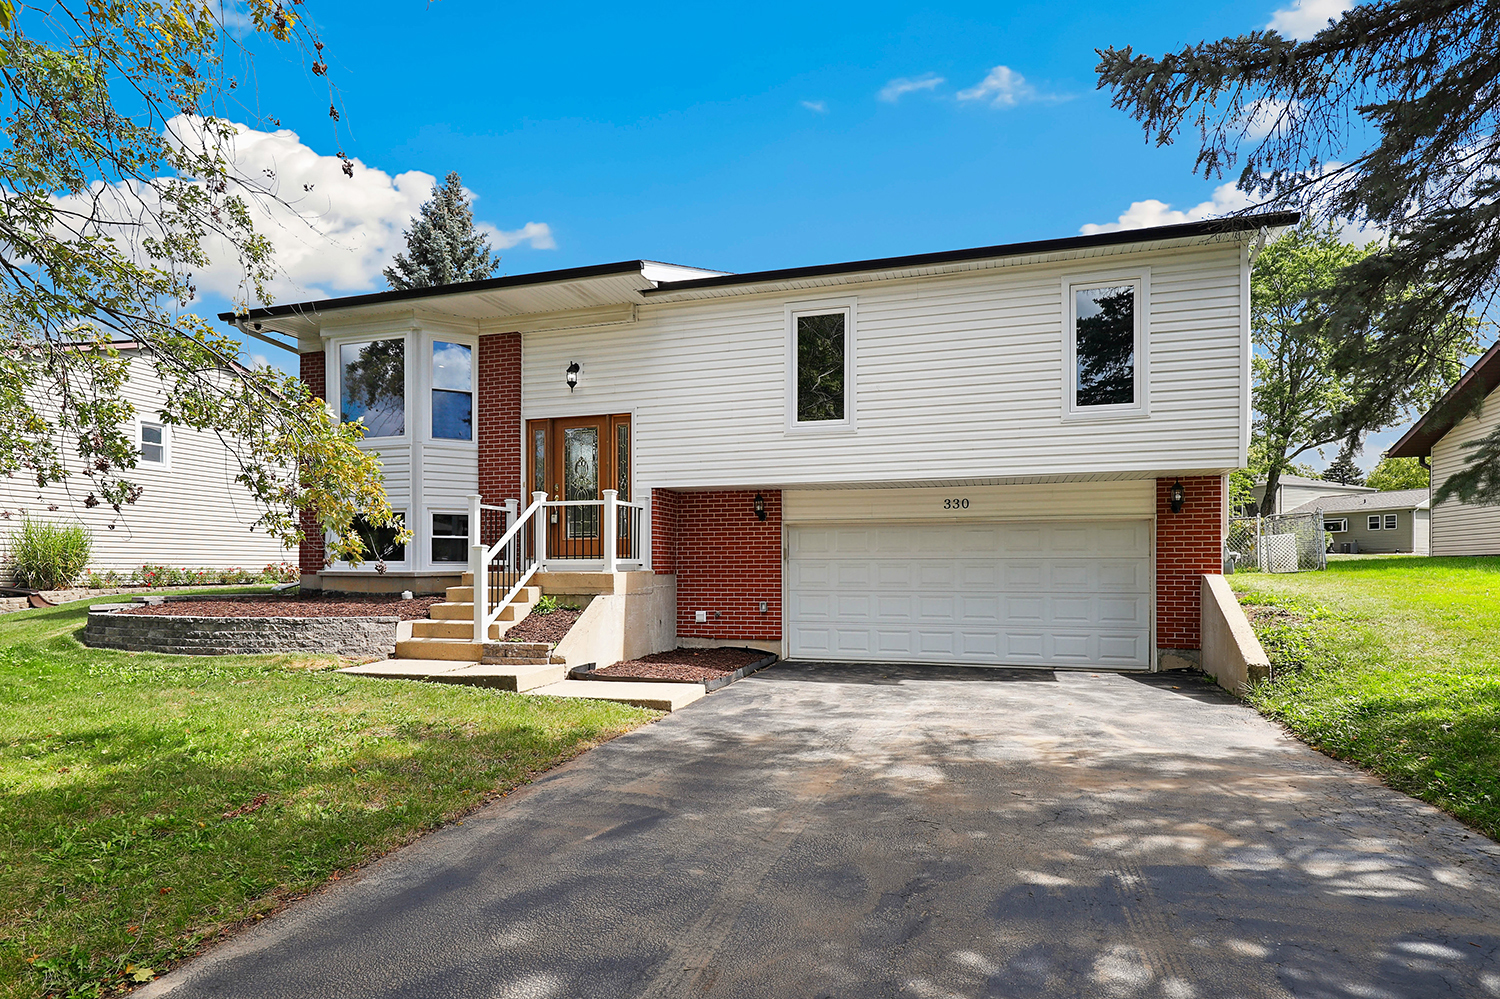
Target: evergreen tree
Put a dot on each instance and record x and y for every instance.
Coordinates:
(1343, 470)
(442, 246)
(1388, 116)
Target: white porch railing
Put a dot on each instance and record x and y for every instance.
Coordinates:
(608, 535)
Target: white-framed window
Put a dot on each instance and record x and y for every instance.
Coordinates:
(155, 442)
(380, 545)
(372, 384)
(1374, 522)
(1390, 522)
(820, 365)
(450, 538)
(1107, 344)
(452, 391)
(1335, 525)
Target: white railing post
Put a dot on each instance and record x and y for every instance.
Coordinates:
(540, 525)
(609, 529)
(478, 556)
(644, 554)
(511, 513)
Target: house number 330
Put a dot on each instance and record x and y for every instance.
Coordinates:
(955, 504)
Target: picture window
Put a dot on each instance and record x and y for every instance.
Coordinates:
(821, 350)
(372, 386)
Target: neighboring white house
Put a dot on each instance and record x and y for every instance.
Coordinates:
(1375, 522)
(1293, 491)
(1468, 412)
(1008, 455)
(191, 513)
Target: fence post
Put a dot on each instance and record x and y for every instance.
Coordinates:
(479, 571)
(609, 529)
(1322, 539)
(539, 524)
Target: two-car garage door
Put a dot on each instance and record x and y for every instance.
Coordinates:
(1029, 593)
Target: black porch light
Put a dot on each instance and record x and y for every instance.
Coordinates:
(760, 506)
(572, 376)
(1177, 496)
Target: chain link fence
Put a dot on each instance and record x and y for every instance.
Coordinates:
(1291, 542)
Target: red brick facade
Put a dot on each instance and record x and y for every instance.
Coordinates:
(1188, 544)
(498, 418)
(726, 561)
(311, 552)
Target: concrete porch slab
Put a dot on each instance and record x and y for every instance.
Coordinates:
(502, 677)
(406, 669)
(660, 696)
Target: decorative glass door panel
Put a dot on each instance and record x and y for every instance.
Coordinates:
(576, 459)
(581, 481)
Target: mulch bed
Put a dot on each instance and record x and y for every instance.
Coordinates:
(335, 605)
(688, 665)
(549, 628)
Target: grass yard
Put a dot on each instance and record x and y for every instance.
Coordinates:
(1392, 663)
(148, 803)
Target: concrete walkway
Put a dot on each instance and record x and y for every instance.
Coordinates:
(877, 831)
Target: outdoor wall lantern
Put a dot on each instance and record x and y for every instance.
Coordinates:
(573, 370)
(760, 506)
(1177, 496)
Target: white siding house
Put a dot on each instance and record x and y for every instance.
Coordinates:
(191, 513)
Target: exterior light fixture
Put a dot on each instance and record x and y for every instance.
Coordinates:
(760, 507)
(572, 375)
(1177, 496)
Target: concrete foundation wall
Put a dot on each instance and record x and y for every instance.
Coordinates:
(1231, 653)
(637, 619)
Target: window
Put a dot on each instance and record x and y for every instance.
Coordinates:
(1106, 346)
(821, 390)
(380, 542)
(1390, 522)
(452, 391)
(372, 386)
(1336, 525)
(450, 537)
(153, 443)
(1374, 522)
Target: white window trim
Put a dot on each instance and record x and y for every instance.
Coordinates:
(1140, 278)
(1372, 522)
(429, 377)
(1343, 523)
(849, 307)
(1389, 525)
(165, 465)
(334, 376)
(368, 565)
(428, 536)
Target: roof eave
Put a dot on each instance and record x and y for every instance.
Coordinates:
(1476, 384)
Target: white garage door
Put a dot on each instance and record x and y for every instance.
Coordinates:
(989, 594)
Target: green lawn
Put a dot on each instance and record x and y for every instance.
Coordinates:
(149, 802)
(1392, 663)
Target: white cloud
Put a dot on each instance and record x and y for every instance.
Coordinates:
(821, 107)
(331, 234)
(1261, 118)
(893, 91)
(1005, 88)
(1141, 214)
(1305, 18)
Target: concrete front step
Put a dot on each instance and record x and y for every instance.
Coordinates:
(660, 696)
(514, 677)
(456, 611)
(450, 649)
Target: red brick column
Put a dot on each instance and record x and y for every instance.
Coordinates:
(497, 421)
(1188, 545)
(727, 562)
(310, 553)
(666, 518)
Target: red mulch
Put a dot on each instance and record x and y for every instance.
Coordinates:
(690, 665)
(549, 628)
(310, 605)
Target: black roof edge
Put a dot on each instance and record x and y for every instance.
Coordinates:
(1482, 378)
(1183, 230)
(437, 291)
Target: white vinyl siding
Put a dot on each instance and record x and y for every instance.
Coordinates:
(192, 514)
(1075, 500)
(1460, 528)
(955, 377)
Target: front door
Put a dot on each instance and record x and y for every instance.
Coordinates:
(575, 459)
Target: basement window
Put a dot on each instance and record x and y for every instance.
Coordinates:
(450, 537)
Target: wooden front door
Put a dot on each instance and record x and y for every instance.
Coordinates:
(577, 458)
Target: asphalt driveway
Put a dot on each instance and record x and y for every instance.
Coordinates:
(885, 831)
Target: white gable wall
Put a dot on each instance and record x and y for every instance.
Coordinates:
(1459, 528)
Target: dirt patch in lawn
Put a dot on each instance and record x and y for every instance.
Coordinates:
(332, 605)
(549, 628)
(689, 665)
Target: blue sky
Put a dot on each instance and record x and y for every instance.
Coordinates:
(723, 136)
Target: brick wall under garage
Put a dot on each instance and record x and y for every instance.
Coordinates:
(1188, 545)
(310, 553)
(725, 559)
(354, 637)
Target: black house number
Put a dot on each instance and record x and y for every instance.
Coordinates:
(955, 504)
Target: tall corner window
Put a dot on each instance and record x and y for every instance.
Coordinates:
(372, 386)
(450, 537)
(452, 391)
(822, 355)
(153, 443)
(1106, 347)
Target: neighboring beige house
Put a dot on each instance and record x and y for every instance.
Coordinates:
(1293, 491)
(1470, 411)
(191, 514)
(1376, 522)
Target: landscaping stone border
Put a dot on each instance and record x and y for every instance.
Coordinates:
(587, 672)
(191, 635)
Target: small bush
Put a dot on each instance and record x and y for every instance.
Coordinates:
(46, 556)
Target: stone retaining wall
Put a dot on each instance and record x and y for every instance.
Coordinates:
(355, 637)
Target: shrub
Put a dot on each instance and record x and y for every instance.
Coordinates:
(45, 555)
